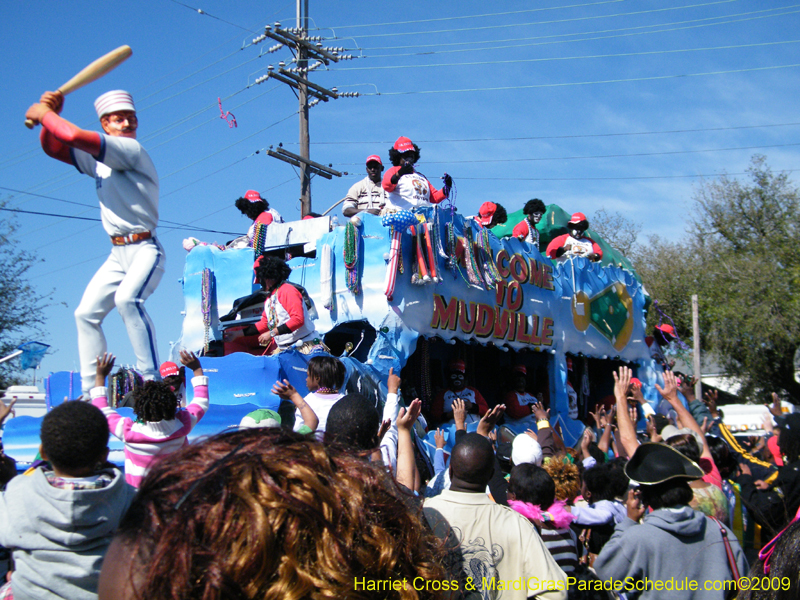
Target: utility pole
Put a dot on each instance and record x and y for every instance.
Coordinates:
(305, 142)
(305, 49)
(698, 387)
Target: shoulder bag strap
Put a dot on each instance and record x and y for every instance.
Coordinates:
(728, 549)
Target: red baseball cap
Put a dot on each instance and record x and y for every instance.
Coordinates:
(168, 369)
(374, 158)
(252, 196)
(486, 213)
(458, 365)
(403, 144)
(521, 369)
(577, 217)
(666, 329)
(635, 382)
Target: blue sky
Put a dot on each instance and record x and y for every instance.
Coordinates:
(623, 105)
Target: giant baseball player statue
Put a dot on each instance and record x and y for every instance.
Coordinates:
(127, 186)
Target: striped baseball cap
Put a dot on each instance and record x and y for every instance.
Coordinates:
(113, 101)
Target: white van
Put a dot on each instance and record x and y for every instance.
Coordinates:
(30, 401)
(747, 419)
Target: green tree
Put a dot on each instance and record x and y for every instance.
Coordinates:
(617, 229)
(671, 274)
(21, 307)
(740, 255)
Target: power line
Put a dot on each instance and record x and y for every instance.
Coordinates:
(573, 20)
(227, 147)
(224, 208)
(83, 262)
(607, 178)
(576, 83)
(698, 23)
(599, 156)
(95, 219)
(92, 206)
(202, 12)
(565, 58)
(44, 214)
(212, 78)
(211, 120)
(456, 18)
(27, 154)
(564, 137)
(75, 178)
(34, 149)
(168, 231)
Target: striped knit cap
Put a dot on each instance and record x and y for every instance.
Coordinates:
(113, 101)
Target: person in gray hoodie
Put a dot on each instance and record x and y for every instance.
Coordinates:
(675, 551)
(59, 523)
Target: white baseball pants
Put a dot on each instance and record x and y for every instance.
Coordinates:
(127, 278)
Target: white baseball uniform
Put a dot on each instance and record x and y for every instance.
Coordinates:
(127, 186)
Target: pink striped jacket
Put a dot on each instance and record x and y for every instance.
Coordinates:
(145, 442)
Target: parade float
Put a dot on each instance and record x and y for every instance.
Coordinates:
(411, 295)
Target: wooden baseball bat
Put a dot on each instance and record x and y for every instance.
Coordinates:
(93, 71)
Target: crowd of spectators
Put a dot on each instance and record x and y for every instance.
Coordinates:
(333, 495)
(336, 499)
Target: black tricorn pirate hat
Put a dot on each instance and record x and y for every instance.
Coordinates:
(654, 463)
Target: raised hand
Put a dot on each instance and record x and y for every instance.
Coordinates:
(190, 361)
(599, 417)
(539, 412)
(670, 389)
(586, 439)
(706, 425)
(636, 391)
(7, 409)
(622, 381)
(284, 389)
(711, 397)
(459, 414)
(439, 437)
(104, 365)
(385, 426)
(634, 505)
(393, 383)
(775, 407)
(490, 419)
(407, 417)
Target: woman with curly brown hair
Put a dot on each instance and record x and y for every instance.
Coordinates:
(270, 514)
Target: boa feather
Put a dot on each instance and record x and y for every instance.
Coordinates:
(556, 514)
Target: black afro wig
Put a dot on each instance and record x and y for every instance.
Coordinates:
(394, 155)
